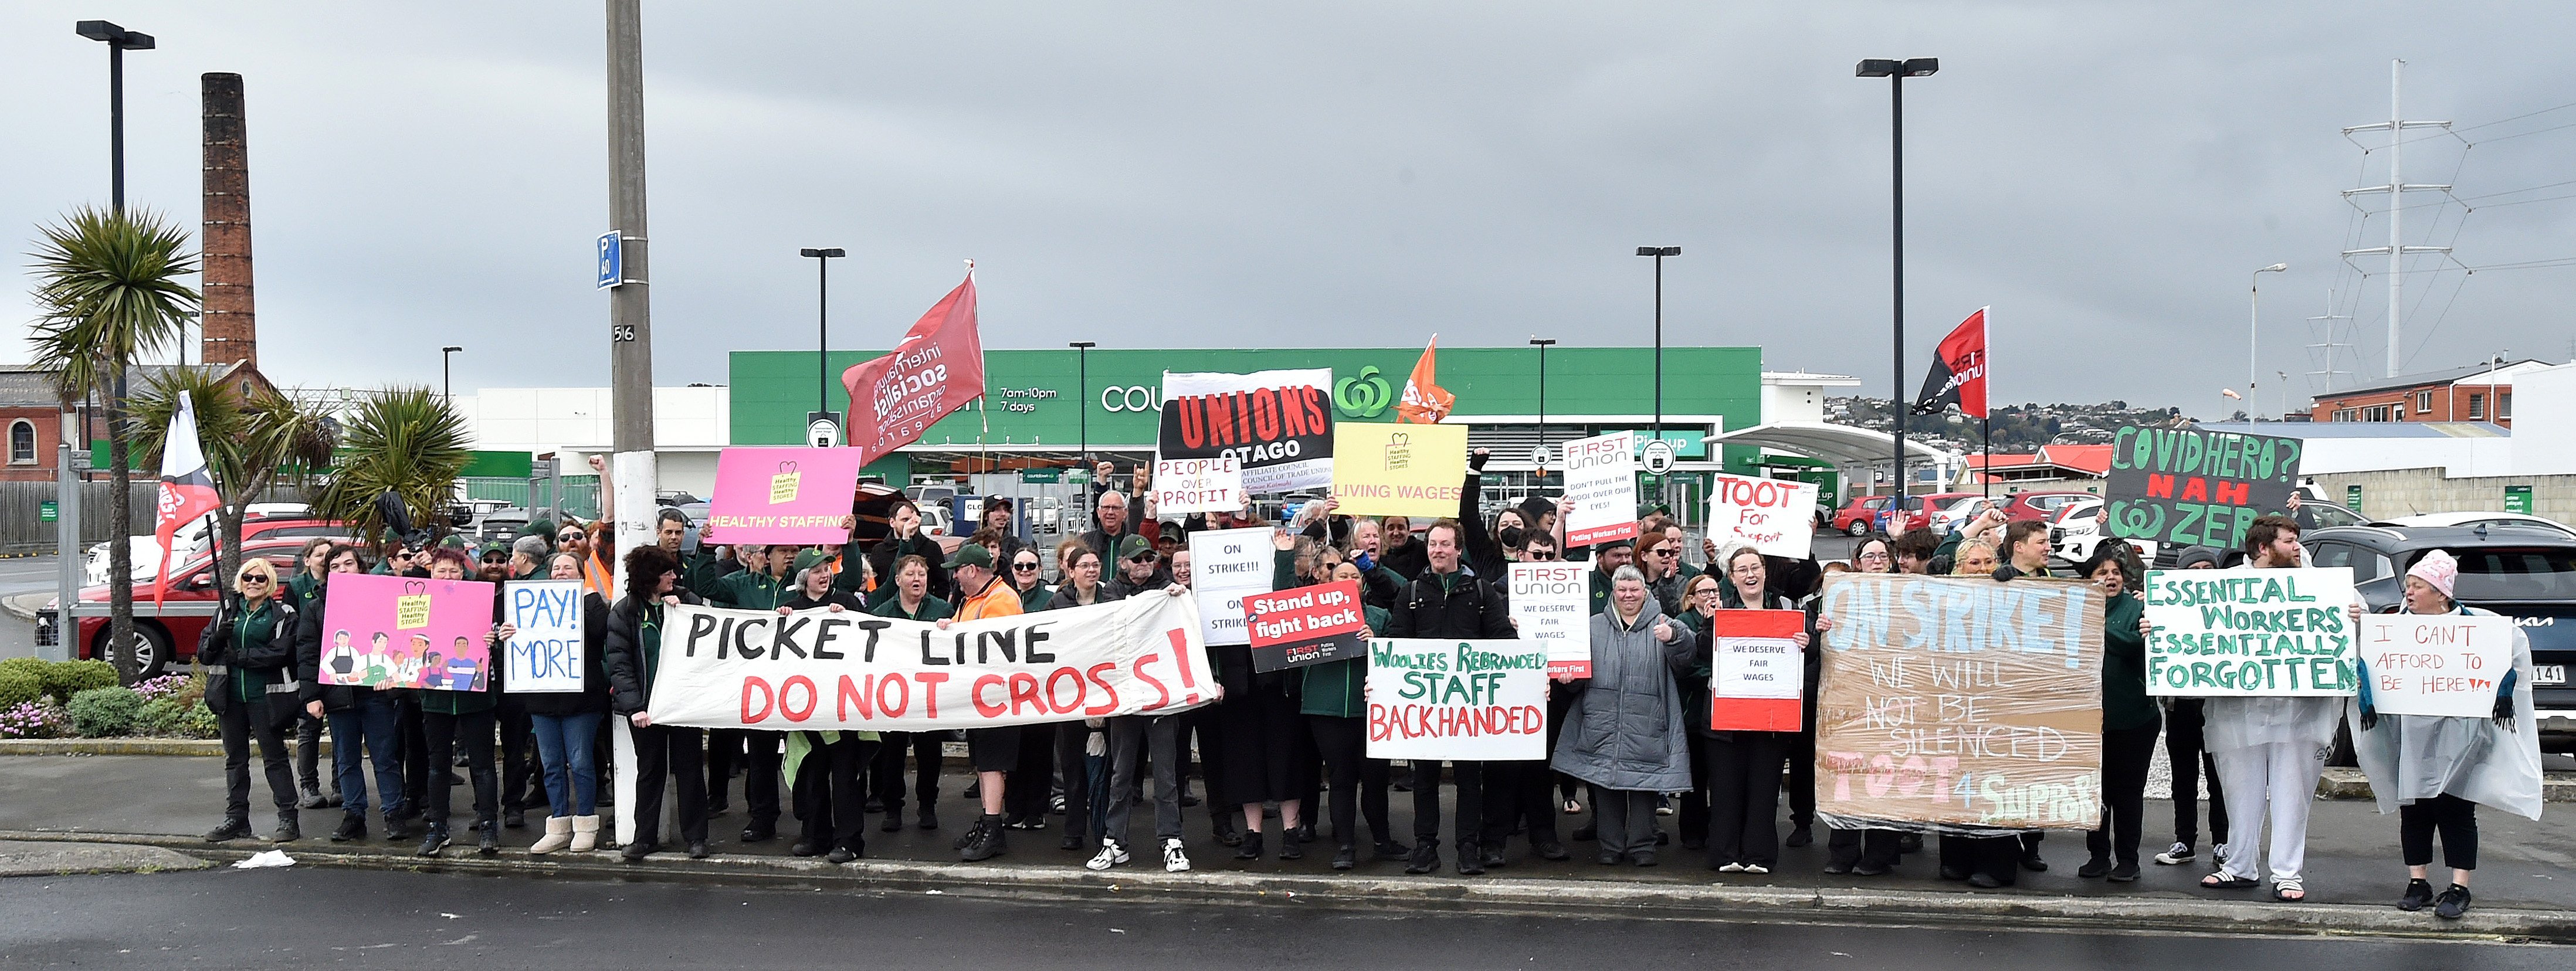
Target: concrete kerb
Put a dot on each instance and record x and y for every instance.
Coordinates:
(1606, 899)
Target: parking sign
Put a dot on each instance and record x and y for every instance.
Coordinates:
(612, 259)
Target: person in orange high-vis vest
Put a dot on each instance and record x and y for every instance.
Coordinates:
(995, 751)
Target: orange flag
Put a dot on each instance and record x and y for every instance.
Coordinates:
(1424, 402)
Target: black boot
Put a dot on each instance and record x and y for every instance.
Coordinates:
(289, 827)
(929, 816)
(514, 819)
(399, 828)
(435, 840)
(352, 827)
(1346, 857)
(893, 821)
(1249, 847)
(232, 829)
(490, 841)
(987, 841)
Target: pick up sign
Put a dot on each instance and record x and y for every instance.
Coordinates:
(1307, 625)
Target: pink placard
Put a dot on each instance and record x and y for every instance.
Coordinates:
(402, 632)
(784, 495)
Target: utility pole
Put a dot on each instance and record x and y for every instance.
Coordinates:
(2327, 347)
(630, 309)
(2397, 188)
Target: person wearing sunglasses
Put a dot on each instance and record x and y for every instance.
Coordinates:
(1025, 576)
(249, 653)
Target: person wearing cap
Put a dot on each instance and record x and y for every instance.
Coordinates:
(2434, 770)
(762, 585)
(910, 600)
(997, 517)
(1140, 568)
(2189, 758)
(994, 751)
(1607, 558)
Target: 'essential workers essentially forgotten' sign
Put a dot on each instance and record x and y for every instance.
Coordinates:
(783, 495)
(1457, 700)
(2187, 487)
(546, 648)
(1960, 705)
(2246, 633)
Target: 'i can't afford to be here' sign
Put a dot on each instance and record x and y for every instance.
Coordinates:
(2449, 665)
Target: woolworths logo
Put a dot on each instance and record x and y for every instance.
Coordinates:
(1365, 396)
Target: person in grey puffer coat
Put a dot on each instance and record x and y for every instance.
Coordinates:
(1624, 733)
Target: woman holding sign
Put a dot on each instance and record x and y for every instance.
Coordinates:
(1743, 767)
(565, 725)
(1623, 734)
(1086, 772)
(249, 653)
(461, 715)
(2436, 769)
(2130, 721)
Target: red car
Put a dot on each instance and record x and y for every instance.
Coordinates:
(2041, 507)
(168, 631)
(1859, 515)
(1918, 511)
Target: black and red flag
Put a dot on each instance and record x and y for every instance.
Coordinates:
(1958, 374)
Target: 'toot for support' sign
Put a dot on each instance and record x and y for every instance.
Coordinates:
(1457, 700)
(1774, 516)
(2243, 633)
(1601, 484)
(1307, 625)
(2435, 664)
(1552, 605)
(545, 652)
(2189, 487)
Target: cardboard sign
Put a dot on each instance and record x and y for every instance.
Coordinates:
(1277, 425)
(1225, 566)
(546, 648)
(1307, 625)
(2249, 633)
(1552, 605)
(783, 495)
(1601, 482)
(1457, 700)
(1775, 516)
(1960, 705)
(402, 632)
(1399, 469)
(2189, 487)
(1757, 671)
(2449, 665)
(819, 670)
(1185, 486)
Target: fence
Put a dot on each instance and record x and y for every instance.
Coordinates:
(22, 525)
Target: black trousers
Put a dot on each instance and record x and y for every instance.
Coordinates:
(1357, 782)
(1078, 810)
(1802, 774)
(1470, 822)
(238, 724)
(1029, 789)
(724, 757)
(1203, 736)
(1694, 804)
(412, 741)
(885, 776)
(1995, 856)
(1848, 848)
(2455, 818)
(2126, 754)
(1524, 793)
(2189, 757)
(308, 754)
(764, 761)
(1743, 798)
(474, 731)
(522, 783)
(831, 792)
(665, 755)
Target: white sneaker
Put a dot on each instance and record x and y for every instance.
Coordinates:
(1174, 860)
(2179, 854)
(1756, 868)
(1731, 868)
(1111, 854)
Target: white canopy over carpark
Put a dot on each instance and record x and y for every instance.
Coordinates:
(1848, 448)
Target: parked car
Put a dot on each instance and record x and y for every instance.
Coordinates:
(193, 539)
(2078, 529)
(2521, 571)
(2467, 519)
(2041, 506)
(166, 632)
(1918, 511)
(1955, 513)
(1860, 515)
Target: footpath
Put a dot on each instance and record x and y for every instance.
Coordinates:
(2526, 884)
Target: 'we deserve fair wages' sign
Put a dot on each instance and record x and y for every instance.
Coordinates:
(819, 670)
(2248, 633)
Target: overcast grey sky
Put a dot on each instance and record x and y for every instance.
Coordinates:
(1190, 174)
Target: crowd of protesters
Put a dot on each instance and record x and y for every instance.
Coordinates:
(1629, 745)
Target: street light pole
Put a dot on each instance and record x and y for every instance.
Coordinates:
(822, 323)
(2253, 321)
(1659, 252)
(1542, 344)
(1896, 72)
(119, 40)
(120, 514)
(447, 372)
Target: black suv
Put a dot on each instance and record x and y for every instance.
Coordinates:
(2523, 572)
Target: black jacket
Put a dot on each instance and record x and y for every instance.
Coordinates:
(269, 650)
(593, 696)
(1410, 559)
(1473, 609)
(1064, 596)
(881, 557)
(1123, 588)
(830, 597)
(632, 655)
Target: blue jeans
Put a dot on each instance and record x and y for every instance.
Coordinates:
(367, 726)
(572, 775)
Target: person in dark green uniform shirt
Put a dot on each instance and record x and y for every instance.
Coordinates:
(462, 713)
(249, 653)
(2130, 720)
(762, 585)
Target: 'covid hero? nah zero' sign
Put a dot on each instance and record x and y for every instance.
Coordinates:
(2189, 487)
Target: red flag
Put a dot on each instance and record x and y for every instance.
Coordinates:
(1958, 374)
(1425, 402)
(187, 490)
(935, 370)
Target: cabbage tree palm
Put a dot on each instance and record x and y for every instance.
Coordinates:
(407, 442)
(108, 292)
(250, 442)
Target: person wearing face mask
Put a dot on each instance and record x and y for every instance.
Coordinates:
(2434, 771)
(665, 755)
(903, 538)
(909, 599)
(460, 712)
(362, 718)
(2129, 718)
(2190, 758)
(565, 727)
(249, 654)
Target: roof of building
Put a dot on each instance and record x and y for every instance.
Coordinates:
(2444, 376)
(22, 386)
(2362, 429)
(2092, 460)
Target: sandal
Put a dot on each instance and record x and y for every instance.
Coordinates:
(2289, 891)
(2221, 881)
(1573, 808)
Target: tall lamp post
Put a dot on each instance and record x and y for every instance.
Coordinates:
(119, 40)
(1542, 344)
(447, 371)
(2253, 321)
(1896, 72)
(120, 514)
(1659, 252)
(822, 327)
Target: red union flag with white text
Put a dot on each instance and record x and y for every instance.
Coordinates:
(1958, 374)
(187, 489)
(936, 369)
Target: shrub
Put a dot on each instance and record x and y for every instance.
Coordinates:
(199, 722)
(155, 689)
(19, 686)
(34, 666)
(103, 712)
(162, 716)
(63, 679)
(34, 720)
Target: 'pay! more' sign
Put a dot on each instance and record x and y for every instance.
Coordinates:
(545, 652)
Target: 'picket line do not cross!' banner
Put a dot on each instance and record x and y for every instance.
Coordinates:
(1960, 706)
(1457, 700)
(2250, 633)
(820, 670)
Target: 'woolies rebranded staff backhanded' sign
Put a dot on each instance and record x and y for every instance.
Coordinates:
(1774, 516)
(819, 670)
(1306, 625)
(404, 632)
(1277, 425)
(1457, 700)
(1757, 672)
(1601, 482)
(2450, 665)
(2189, 487)
(545, 652)
(784, 495)
(1552, 605)
(1399, 469)
(1960, 706)
(2250, 633)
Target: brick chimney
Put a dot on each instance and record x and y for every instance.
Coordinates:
(230, 330)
